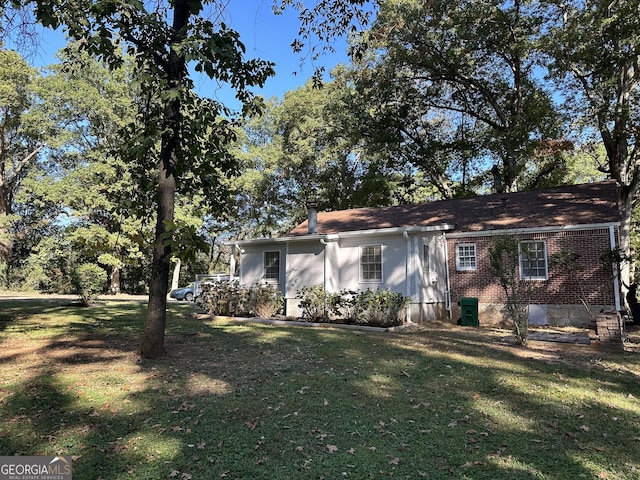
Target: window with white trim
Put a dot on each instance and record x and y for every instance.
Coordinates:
(371, 263)
(533, 260)
(466, 258)
(272, 266)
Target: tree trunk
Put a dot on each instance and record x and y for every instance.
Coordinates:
(623, 164)
(175, 281)
(152, 343)
(625, 206)
(114, 281)
(5, 234)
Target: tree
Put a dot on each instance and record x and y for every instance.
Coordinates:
(19, 135)
(90, 104)
(594, 52)
(505, 252)
(304, 147)
(181, 133)
(451, 81)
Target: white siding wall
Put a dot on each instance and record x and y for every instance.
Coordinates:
(252, 264)
(305, 266)
(394, 251)
(336, 266)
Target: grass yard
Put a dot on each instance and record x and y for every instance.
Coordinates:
(264, 402)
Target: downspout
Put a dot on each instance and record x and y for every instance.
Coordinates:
(408, 273)
(326, 264)
(240, 253)
(284, 287)
(232, 261)
(446, 264)
(614, 268)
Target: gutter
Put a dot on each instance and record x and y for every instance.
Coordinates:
(517, 231)
(614, 267)
(336, 236)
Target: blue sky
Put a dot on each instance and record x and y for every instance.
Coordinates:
(265, 35)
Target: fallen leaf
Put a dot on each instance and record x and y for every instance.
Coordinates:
(251, 424)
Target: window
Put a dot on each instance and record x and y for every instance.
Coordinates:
(533, 260)
(272, 266)
(425, 259)
(466, 256)
(371, 263)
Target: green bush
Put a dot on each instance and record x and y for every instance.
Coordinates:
(504, 258)
(381, 308)
(224, 298)
(89, 280)
(265, 300)
(232, 299)
(317, 304)
(368, 307)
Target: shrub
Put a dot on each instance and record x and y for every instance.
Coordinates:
(90, 280)
(504, 257)
(265, 300)
(369, 307)
(224, 298)
(317, 304)
(381, 308)
(232, 299)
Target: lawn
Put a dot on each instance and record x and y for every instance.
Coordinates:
(248, 401)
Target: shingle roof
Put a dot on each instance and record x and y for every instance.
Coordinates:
(590, 203)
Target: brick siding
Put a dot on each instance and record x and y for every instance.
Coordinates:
(596, 278)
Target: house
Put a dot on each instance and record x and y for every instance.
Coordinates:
(437, 253)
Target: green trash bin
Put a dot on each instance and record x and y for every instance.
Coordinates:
(469, 308)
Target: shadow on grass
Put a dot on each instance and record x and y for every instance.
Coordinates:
(255, 401)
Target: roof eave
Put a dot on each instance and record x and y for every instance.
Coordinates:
(355, 233)
(525, 230)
